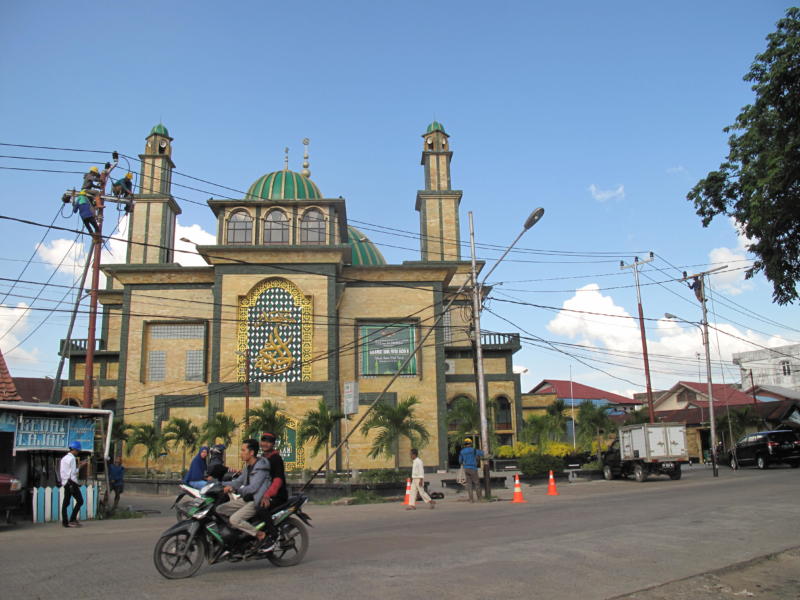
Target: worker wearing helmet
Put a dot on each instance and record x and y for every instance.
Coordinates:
(123, 189)
(468, 459)
(83, 205)
(92, 180)
(68, 472)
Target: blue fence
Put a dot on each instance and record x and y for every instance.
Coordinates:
(47, 503)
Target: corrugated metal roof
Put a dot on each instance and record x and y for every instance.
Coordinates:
(572, 389)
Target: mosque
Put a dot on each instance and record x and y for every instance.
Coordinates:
(292, 304)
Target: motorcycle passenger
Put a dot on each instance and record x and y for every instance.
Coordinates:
(196, 475)
(277, 493)
(250, 484)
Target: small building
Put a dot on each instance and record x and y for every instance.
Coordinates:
(779, 366)
(573, 394)
(770, 393)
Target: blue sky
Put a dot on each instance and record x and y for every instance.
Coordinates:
(605, 114)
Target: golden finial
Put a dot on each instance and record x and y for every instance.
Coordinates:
(286, 158)
(306, 172)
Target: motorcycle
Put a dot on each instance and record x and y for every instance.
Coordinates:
(205, 535)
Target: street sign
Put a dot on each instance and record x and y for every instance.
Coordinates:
(351, 397)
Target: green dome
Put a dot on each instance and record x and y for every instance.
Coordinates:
(160, 130)
(283, 185)
(365, 253)
(435, 126)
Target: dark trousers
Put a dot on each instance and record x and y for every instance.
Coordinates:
(71, 490)
(91, 225)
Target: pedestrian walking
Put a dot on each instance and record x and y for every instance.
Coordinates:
(71, 489)
(116, 479)
(417, 482)
(468, 459)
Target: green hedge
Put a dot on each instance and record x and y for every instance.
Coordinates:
(539, 464)
(384, 476)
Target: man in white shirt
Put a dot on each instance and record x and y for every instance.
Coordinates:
(71, 489)
(417, 479)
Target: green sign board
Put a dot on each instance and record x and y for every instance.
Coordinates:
(384, 349)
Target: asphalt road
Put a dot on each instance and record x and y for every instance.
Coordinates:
(595, 540)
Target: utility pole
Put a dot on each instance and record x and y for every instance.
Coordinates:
(699, 287)
(481, 379)
(635, 266)
(96, 249)
(247, 389)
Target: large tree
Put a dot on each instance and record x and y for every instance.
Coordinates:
(318, 426)
(392, 423)
(759, 183)
(146, 435)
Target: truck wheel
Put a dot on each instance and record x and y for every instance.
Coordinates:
(639, 472)
(676, 474)
(761, 462)
(608, 474)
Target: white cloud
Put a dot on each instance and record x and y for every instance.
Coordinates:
(678, 170)
(731, 280)
(605, 195)
(13, 326)
(199, 236)
(64, 256)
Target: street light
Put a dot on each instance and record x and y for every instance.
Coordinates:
(704, 334)
(477, 304)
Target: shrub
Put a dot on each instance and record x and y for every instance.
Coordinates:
(385, 475)
(367, 497)
(505, 452)
(592, 466)
(539, 464)
(558, 448)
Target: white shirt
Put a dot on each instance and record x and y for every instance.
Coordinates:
(417, 469)
(69, 469)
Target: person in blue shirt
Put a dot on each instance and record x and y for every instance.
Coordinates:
(84, 206)
(468, 458)
(196, 475)
(116, 479)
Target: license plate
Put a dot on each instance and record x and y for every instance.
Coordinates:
(668, 465)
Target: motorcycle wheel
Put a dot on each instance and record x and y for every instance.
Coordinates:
(167, 555)
(292, 544)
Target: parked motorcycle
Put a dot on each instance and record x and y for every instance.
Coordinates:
(206, 535)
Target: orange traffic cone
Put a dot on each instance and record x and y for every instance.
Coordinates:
(407, 500)
(518, 499)
(551, 486)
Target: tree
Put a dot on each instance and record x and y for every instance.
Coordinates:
(759, 183)
(558, 422)
(392, 423)
(593, 421)
(319, 425)
(266, 419)
(464, 420)
(735, 421)
(146, 434)
(184, 433)
(119, 434)
(220, 426)
(637, 417)
(536, 430)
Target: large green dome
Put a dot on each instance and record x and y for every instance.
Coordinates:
(283, 185)
(365, 253)
(435, 126)
(159, 130)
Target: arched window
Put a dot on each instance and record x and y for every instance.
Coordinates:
(312, 227)
(503, 414)
(276, 228)
(240, 228)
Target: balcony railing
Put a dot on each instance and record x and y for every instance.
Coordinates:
(500, 341)
(80, 346)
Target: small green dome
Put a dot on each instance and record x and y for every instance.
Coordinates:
(283, 185)
(160, 130)
(435, 126)
(365, 253)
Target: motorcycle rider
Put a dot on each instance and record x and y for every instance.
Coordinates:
(250, 484)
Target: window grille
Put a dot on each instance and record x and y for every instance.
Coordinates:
(177, 331)
(156, 365)
(194, 365)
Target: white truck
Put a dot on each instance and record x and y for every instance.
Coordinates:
(647, 449)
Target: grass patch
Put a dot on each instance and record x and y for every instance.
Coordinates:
(367, 497)
(123, 513)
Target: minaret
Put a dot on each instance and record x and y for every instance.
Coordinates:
(437, 204)
(152, 223)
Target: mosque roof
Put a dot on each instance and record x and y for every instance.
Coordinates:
(365, 253)
(435, 126)
(160, 130)
(283, 185)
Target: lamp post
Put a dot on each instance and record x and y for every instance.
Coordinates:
(704, 334)
(477, 304)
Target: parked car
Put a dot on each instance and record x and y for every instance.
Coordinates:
(765, 448)
(10, 494)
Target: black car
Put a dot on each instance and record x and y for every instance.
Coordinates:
(765, 448)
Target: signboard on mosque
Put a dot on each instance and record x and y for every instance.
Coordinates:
(385, 348)
(53, 433)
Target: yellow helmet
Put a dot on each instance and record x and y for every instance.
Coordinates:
(83, 193)
(468, 441)
(94, 170)
(129, 176)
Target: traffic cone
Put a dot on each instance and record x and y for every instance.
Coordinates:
(407, 500)
(551, 486)
(518, 499)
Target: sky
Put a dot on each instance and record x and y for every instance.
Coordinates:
(604, 114)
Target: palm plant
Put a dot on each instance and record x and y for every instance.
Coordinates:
(593, 420)
(266, 419)
(637, 417)
(220, 426)
(392, 423)
(536, 430)
(184, 433)
(464, 420)
(558, 422)
(146, 434)
(736, 421)
(318, 425)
